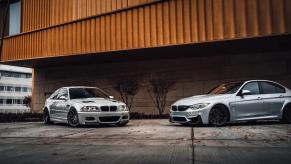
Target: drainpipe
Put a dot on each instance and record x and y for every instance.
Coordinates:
(4, 27)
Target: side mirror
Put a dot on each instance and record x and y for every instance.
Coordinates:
(111, 97)
(63, 98)
(245, 92)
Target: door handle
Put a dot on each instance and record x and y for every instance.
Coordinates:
(281, 96)
(259, 98)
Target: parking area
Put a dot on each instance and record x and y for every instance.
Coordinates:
(145, 141)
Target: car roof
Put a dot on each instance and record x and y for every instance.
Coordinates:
(79, 87)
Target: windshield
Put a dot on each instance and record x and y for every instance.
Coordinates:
(82, 93)
(228, 88)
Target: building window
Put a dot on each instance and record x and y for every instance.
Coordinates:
(9, 101)
(17, 101)
(10, 88)
(14, 18)
(1, 101)
(1, 88)
(17, 89)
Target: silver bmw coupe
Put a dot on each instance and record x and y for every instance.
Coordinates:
(235, 101)
(84, 106)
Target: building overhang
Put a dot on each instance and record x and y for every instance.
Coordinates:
(278, 43)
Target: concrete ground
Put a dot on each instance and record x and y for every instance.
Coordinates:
(145, 141)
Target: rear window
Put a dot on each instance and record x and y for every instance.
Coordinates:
(271, 88)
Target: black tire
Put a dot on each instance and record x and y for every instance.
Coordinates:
(185, 124)
(46, 117)
(122, 124)
(72, 118)
(218, 116)
(287, 114)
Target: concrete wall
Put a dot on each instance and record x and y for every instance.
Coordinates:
(194, 75)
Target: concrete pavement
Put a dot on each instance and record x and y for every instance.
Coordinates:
(145, 141)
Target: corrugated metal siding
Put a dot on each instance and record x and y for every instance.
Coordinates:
(44, 13)
(170, 22)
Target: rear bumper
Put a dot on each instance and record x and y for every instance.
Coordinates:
(86, 118)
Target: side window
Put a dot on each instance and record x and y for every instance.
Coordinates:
(271, 88)
(253, 87)
(63, 92)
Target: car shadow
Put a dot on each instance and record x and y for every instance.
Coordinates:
(88, 126)
(242, 123)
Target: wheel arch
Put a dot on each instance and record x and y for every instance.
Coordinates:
(285, 107)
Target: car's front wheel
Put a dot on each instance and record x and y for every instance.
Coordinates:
(46, 117)
(218, 116)
(73, 118)
(122, 123)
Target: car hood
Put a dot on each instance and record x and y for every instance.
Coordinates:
(97, 102)
(201, 99)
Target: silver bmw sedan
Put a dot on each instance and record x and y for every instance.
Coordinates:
(84, 106)
(235, 101)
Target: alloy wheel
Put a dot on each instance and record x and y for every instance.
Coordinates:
(46, 117)
(218, 116)
(73, 119)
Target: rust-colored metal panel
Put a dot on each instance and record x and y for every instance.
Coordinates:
(201, 20)
(158, 24)
(265, 18)
(123, 30)
(278, 22)
(153, 25)
(166, 23)
(129, 29)
(173, 20)
(141, 27)
(186, 20)
(252, 17)
(113, 32)
(240, 18)
(159, 18)
(218, 23)
(147, 27)
(180, 23)
(135, 28)
(194, 20)
(209, 20)
(36, 13)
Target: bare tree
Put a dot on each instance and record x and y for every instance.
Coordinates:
(27, 102)
(128, 87)
(158, 88)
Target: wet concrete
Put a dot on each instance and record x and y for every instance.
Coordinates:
(145, 141)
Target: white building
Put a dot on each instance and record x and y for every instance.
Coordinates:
(15, 84)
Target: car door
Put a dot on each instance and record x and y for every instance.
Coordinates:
(250, 105)
(61, 104)
(273, 96)
(52, 104)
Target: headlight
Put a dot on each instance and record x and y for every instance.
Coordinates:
(90, 109)
(122, 108)
(199, 106)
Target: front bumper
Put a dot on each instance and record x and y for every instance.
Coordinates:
(190, 116)
(89, 118)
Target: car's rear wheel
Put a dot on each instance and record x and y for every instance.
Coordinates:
(73, 118)
(218, 116)
(46, 117)
(287, 114)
